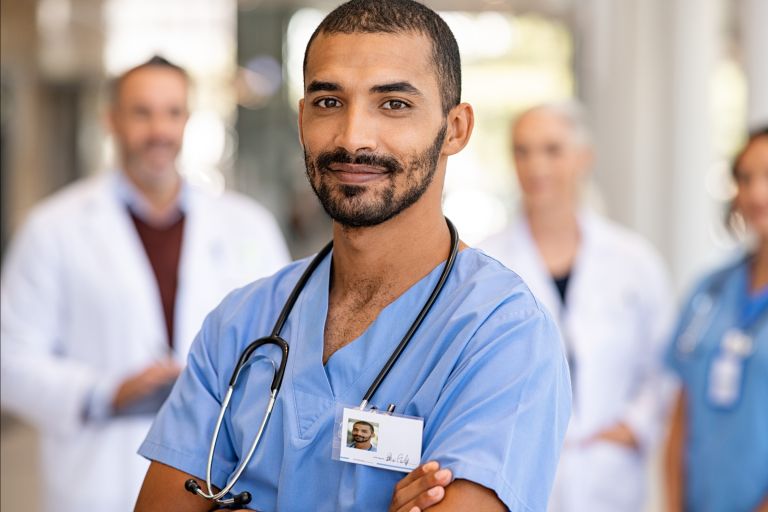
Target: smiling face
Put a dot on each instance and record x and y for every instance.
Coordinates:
(371, 124)
(361, 433)
(751, 175)
(148, 119)
(550, 161)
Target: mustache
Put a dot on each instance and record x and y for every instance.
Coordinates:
(159, 142)
(341, 156)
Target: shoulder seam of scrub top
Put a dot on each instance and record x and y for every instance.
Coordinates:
(517, 314)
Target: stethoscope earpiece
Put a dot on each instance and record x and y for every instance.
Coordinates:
(192, 486)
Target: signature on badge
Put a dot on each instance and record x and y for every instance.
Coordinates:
(400, 458)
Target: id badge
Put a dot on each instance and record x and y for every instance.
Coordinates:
(725, 379)
(725, 373)
(378, 439)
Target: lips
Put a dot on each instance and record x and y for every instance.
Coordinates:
(356, 173)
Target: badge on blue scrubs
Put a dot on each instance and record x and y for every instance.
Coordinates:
(380, 439)
(727, 369)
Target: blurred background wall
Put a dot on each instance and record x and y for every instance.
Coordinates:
(670, 87)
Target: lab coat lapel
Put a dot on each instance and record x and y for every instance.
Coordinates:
(201, 265)
(586, 304)
(531, 267)
(119, 247)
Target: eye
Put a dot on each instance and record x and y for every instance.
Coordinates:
(140, 112)
(553, 150)
(395, 105)
(742, 178)
(327, 103)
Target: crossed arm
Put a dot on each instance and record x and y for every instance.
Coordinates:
(426, 486)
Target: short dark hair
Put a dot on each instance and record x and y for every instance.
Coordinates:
(156, 62)
(398, 16)
(361, 422)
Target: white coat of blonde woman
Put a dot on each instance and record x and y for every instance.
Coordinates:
(614, 314)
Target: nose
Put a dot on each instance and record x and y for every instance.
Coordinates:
(356, 130)
(535, 163)
(163, 126)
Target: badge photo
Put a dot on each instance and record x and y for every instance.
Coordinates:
(378, 439)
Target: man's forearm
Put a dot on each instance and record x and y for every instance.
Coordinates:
(163, 490)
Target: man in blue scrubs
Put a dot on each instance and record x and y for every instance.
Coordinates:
(485, 371)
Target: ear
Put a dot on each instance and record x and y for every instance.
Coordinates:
(301, 121)
(461, 120)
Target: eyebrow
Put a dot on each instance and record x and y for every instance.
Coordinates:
(317, 86)
(396, 87)
(405, 87)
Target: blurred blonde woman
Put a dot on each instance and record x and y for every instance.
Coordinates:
(717, 455)
(609, 293)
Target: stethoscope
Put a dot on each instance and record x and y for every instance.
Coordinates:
(244, 498)
(703, 305)
(726, 367)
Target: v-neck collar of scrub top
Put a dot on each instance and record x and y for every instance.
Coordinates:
(348, 373)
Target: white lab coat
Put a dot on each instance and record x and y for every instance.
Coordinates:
(81, 311)
(615, 324)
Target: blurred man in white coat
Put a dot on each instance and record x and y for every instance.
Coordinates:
(609, 292)
(104, 288)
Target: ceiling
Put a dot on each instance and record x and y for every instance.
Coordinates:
(557, 8)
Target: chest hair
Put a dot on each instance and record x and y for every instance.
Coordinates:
(350, 314)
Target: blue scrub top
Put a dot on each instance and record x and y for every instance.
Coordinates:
(486, 371)
(726, 452)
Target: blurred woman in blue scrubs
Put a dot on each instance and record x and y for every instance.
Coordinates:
(717, 455)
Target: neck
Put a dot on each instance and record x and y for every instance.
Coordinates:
(391, 256)
(760, 266)
(559, 222)
(555, 231)
(161, 194)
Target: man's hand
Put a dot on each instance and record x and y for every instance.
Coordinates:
(421, 488)
(619, 434)
(144, 383)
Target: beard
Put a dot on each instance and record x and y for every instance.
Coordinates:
(347, 204)
(149, 168)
